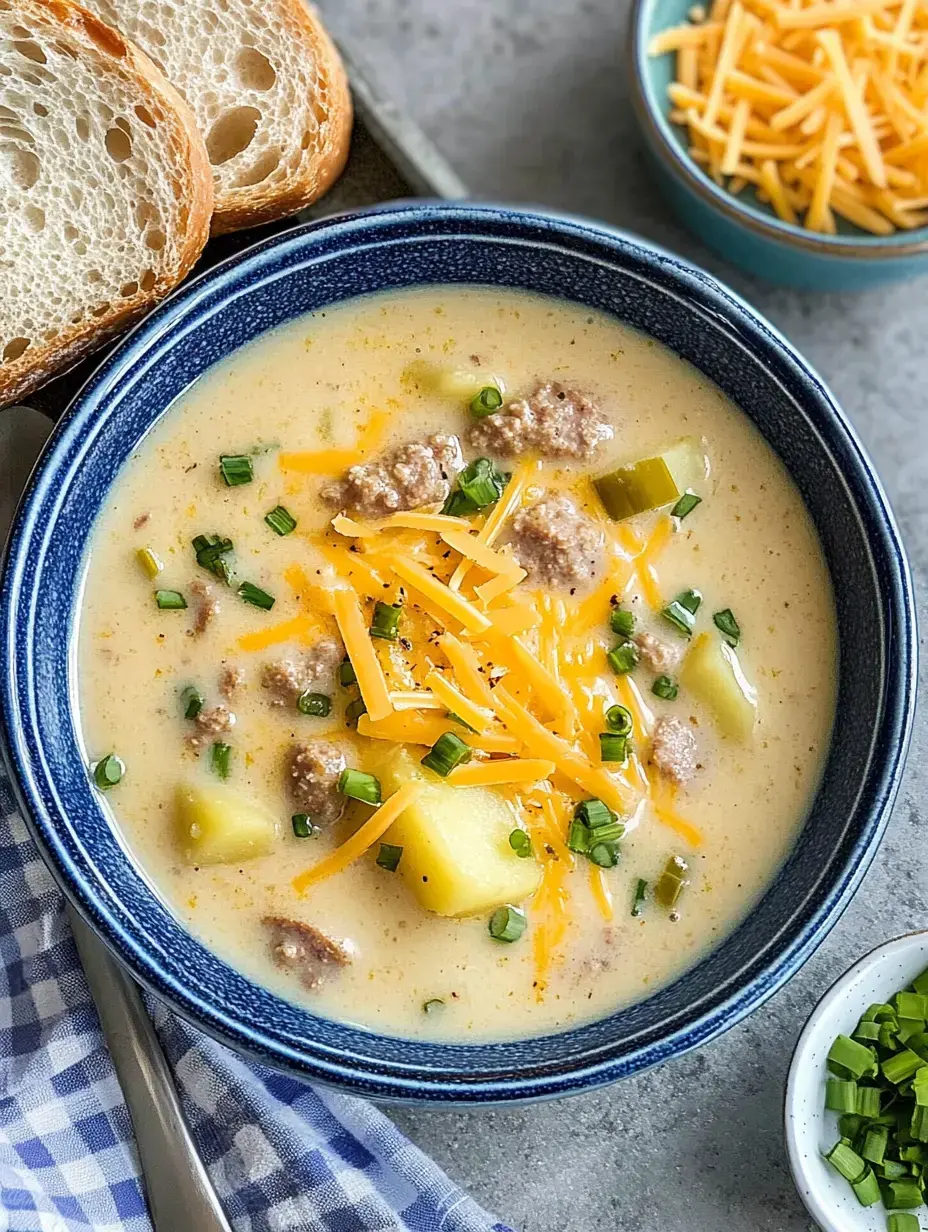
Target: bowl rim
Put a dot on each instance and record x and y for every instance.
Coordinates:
(663, 143)
(871, 958)
(519, 1080)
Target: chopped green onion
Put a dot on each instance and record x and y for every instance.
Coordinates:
(108, 771)
(354, 710)
(151, 564)
(867, 1031)
(868, 1101)
(281, 520)
(578, 837)
(911, 1005)
(867, 1188)
(727, 625)
(606, 855)
(357, 785)
(850, 1124)
(876, 1140)
(211, 551)
(479, 484)
(191, 702)
(847, 1162)
(315, 704)
(219, 757)
(619, 720)
(432, 1005)
(236, 469)
(902, 1221)
(641, 896)
(686, 504)
(681, 611)
(848, 1059)
(170, 600)
(521, 843)
(622, 622)
(486, 402)
(919, 1123)
(890, 1170)
(303, 826)
(456, 718)
(670, 886)
(594, 813)
(507, 923)
(447, 752)
(346, 674)
(607, 833)
(623, 658)
(901, 1066)
(256, 596)
(386, 622)
(920, 983)
(389, 857)
(902, 1195)
(666, 688)
(841, 1095)
(613, 748)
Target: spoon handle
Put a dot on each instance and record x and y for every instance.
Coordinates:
(180, 1193)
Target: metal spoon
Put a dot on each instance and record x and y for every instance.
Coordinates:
(180, 1193)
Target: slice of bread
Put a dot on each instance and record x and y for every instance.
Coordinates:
(268, 90)
(105, 188)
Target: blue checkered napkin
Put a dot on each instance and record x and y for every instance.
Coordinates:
(283, 1156)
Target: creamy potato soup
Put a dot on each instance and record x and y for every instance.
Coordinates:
(459, 663)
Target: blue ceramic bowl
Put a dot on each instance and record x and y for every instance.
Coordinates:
(742, 229)
(403, 246)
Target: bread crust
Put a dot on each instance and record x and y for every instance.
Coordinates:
(248, 207)
(39, 363)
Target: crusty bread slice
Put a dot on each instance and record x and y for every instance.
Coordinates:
(267, 87)
(105, 188)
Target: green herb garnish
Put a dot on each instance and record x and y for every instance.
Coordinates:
(389, 857)
(521, 844)
(686, 504)
(191, 702)
(727, 625)
(220, 756)
(507, 923)
(357, 785)
(386, 621)
(281, 521)
(236, 468)
(317, 705)
(623, 658)
(666, 688)
(486, 402)
(681, 611)
(170, 600)
(109, 771)
(256, 596)
(447, 752)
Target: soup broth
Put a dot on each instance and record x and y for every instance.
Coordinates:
(727, 676)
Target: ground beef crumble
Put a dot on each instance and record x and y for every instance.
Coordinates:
(660, 656)
(208, 724)
(231, 679)
(416, 474)
(556, 544)
(554, 422)
(207, 606)
(286, 679)
(674, 751)
(313, 772)
(307, 951)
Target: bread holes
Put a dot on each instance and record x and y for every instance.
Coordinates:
(70, 232)
(39, 109)
(231, 134)
(155, 239)
(128, 289)
(101, 310)
(255, 70)
(93, 276)
(19, 167)
(265, 165)
(35, 218)
(148, 279)
(146, 117)
(31, 51)
(118, 144)
(82, 127)
(14, 348)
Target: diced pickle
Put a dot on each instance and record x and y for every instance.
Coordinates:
(447, 382)
(457, 858)
(712, 672)
(652, 483)
(218, 825)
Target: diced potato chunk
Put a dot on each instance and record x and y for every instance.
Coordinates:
(651, 483)
(448, 382)
(456, 855)
(712, 672)
(217, 825)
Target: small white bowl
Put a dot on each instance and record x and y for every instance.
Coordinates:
(810, 1130)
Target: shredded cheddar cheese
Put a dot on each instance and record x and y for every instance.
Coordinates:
(816, 105)
(443, 596)
(456, 702)
(360, 650)
(497, 773)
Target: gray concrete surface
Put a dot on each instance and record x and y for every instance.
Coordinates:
(527, 98)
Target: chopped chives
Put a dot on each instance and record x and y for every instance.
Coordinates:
(280, 520)
(868, 1101)
(901, 1066)
(665, 688)
(108, 771)
(622, 622)
(170, 600)
(911, 1005)
(619, 720)
(902, 1221)
(608, 833)
(432, 1005)
(846, 1161)
(236, 468)
(386, 621)
(875, 1142)
(256, 596)
(848, 1059)
(354, 710)
(346, 674)
(303, 827)
(641, 897)
(686, 504)
(219, 757)
(867, 1188)
(850, 1124)
(447, 752)
(507, 923)
(606, 855)
(594, 813)
(211, 551)
(867, 1031)
(521, 843)
(841, 1095)
(623, 658)
(919, 1123)
(486, 402)
(670, 886)
(681, 611)
(613, 748)
(479, 484)
(357, 785)
(150, 562)
(578, 837)
(902, 1195)
(920, 983)
(389, 857)
(727, 625)
(191, 702)
(315, 704)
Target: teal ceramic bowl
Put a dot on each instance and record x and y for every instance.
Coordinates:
(742, 229)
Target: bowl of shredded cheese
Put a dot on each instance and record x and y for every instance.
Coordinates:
(792, 135)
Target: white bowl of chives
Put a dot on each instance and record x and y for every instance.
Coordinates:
(811, 1130)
